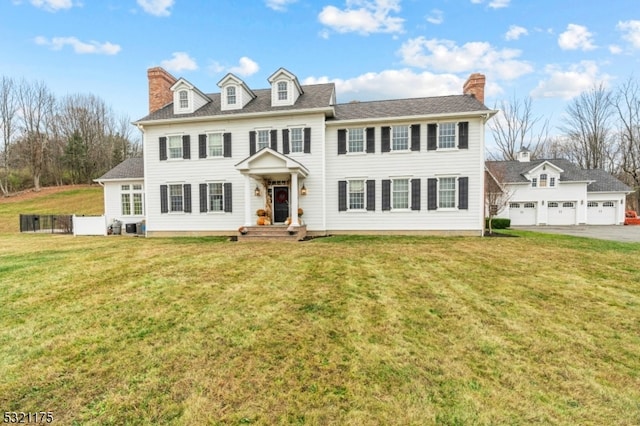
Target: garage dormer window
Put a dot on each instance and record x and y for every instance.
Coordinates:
(183, 97)
(231, 95)
(543, 180)
(282, 91)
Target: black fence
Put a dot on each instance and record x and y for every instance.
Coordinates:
(51, 223)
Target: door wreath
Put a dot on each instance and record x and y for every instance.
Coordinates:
(281, 196)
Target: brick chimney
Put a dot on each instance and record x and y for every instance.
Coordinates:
(475, 86)
(160, 82)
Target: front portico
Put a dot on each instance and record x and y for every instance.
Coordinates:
(276, 179)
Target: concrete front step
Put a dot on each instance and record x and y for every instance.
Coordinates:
(272, 233)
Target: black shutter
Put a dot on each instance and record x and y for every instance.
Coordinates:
(226, 140)
(371, 140)
(386, 194)
(163, 148)
(371, 195)
(432, 194)
(385, 139)
(252, 142)
(415, 194)
(186, 189)
(307, 140)
(415, 137)
(274, 139)
(342, 195)
(164, 199)
(203, 198)
(186, 147)
(342, 141)
(463, 193)
(202, 146)
(432, 137)
(227, 197)
(285, 141)
(463, 135)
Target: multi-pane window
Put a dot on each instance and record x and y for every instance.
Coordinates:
(297, 141)
(131, 199)
(263, 139)
(534, 182)
(356, 195)
(552, 181)
(447, 135)
(183, 96)
(214, 145)
(400, 194)
(592, 204)
(447, 192)
(175, 146)
(231, 95)
(282, 91)
(400, 138)
(608, 204)
(355, 140)
(176, 198)
(543, 180)
(216, 197)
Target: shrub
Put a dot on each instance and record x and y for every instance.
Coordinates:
(497, 223)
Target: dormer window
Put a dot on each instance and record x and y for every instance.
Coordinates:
(282, 91)
(231, 95)
(183, 96)
(543, 180)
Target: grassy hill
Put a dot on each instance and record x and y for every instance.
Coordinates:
(537, 329)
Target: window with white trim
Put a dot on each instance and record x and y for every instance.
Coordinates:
(355, 140)
(552, 181)
(356, 194)
(608, 204)
(543, 180)
(514, 205)
(263, 139)
(400, 194)
(176, 198)
(216, 197)
(529, 205)
(175, 146)
(592, 204)
(534, 182)
(231, 95)
(297, 139)
(552, 204)
(215, 145)
(447, 193)
(568, 204)
(283, 92)
(447, 135)
(400, 138)
(183, 97)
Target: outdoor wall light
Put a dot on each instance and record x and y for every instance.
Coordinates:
(257, 191)
(303, 190)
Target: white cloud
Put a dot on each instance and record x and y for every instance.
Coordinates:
(631, 32)
(53, 5)
(156, 7)
(246, 67)
(279, 5)
(568, 83)
(515, 32)
(446, 56)
(494, 4)
(576, 37)
(364, 17)
(614, 49)
(180, 61)
(80, 47)
(436, 17)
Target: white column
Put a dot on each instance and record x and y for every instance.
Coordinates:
(294, 200)
(247, 200)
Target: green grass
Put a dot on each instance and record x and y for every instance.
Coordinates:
(539, 329)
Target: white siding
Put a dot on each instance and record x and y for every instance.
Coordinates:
(113, 202)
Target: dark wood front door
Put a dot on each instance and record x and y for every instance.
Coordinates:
(280, 203)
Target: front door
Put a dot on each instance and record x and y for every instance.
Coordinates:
(280, 203)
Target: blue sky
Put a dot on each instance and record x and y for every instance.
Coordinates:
(550, 50)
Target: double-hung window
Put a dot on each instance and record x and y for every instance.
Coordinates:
(282, 91)
(231, 95)
(175, 146)
(183, 97)
(543, 180)
(400, 194)
(355, 140)
(216, 197)
(263, 139)
(534, 182)
(400, 138)
(447, 135)
(297, 139)
(125, 198)
(214, 145)
(447, 193)
(176, 198)
(356, 195)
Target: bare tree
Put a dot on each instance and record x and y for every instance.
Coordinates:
(496, 192)
(587, 126)
(8, 109)
(516, 127)
(627, 105)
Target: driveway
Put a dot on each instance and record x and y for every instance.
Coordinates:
(625, 234)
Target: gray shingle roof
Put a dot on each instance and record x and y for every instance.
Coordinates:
(131, 168)
(603, 181)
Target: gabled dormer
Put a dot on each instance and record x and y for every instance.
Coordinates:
(234, 93)
(544, 175)
(187, 98)
(285, 88)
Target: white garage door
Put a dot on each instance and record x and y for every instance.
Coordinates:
(561, 213)
(601, 213)
(522, 214)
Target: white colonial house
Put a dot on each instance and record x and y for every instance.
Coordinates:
(557, 192)
(211, 161)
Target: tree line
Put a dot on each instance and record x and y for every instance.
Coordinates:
(600, 129)
(47, 140)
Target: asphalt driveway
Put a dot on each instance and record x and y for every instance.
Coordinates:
(626, 234)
